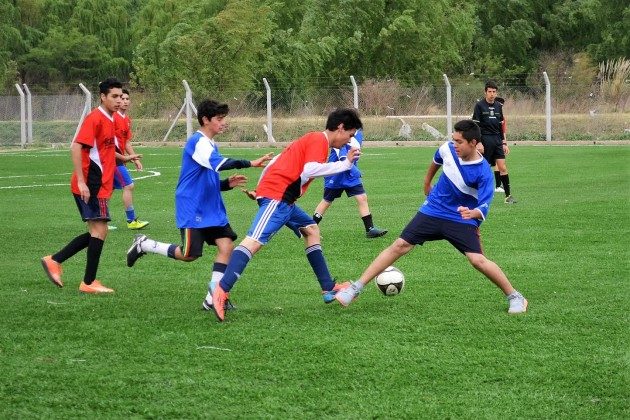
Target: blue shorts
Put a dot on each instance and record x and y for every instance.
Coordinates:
(423, 228)
(272, 215)
(122, 177)
(95, 209)
(331, 193)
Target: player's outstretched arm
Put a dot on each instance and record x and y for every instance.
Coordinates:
(261, 161)
(433, 168)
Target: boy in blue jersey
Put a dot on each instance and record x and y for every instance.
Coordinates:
(350, 182)
(453, 210)
(199, 210)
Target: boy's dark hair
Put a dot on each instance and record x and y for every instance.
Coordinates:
(108, 84)
(126, 91)
(209, 108)
(490, 84)
(349, 117)
(469, 129)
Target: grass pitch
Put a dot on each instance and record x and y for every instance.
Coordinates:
(444, 348)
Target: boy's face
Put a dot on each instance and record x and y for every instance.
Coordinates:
(464, 149)
(491, 93)
(341, 136)
(124, 105)
(112, 100)
(217, 124)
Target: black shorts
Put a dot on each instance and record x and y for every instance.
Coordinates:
(94, 209)
(331, 193)
(423, 228)
(194, 238)
(492, 148)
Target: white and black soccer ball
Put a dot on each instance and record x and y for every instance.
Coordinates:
(391, 281)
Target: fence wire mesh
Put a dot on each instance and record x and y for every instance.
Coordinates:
(390, 111)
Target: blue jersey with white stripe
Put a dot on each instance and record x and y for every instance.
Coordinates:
(351, 177)
(198, 201)
(462, 183)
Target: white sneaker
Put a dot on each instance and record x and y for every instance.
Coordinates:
(518, 304)
(499, 190)
(346, 295)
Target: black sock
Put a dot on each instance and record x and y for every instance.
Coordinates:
(77, 244)
(93, 257)
(317, 217)
(367, 222)
(497, 179)
(505, 180)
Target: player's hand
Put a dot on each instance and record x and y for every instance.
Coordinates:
(467, 213)
(506, 149)
(237, 180)
(261, 161)
(251, 194)
(84, 191)
(138, 164)
(354, 154)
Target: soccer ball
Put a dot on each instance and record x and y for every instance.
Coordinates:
(391, 281)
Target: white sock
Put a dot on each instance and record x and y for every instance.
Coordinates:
(214, 281)
(155, 247)
(358, 285)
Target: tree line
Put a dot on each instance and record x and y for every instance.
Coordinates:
(230, 45)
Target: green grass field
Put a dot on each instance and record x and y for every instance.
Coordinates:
(444, 348)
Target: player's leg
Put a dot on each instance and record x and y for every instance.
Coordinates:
(223, 238)
(518, 303)
(497, 181)
(314, 252)
(330, 194)
(360, 196)
(123, 177)
(52, 263)
(97, 226)
(505, 180)
(190, 250)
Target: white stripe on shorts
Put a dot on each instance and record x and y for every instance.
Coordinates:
(264, 219)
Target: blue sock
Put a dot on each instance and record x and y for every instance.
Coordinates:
(131, 214)
(239, 260)
(318, 263)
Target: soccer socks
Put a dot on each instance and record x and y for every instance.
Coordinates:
(316, 258)
(131, 214)
(94, 249)
(497, 179)
(217, 274)
(155, 247)
(239, 260)
(317, 217)
(505, 180)
(77, 244)
(367, 222)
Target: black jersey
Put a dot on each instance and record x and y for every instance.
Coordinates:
(489, 117)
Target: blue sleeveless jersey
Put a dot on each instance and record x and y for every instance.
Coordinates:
(198, 201)
(469, 184)
(351, 177)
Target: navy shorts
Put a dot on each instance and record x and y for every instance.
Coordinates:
(331, 193)
(423, 228)
(272, 215)
(492, 149)
(122, 178)
(194, 238)
(94, 209)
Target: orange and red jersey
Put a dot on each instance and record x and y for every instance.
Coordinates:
(98, 158)
(283, 178)
(123, 131)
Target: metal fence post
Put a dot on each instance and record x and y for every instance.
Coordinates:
(188, 103)
(86, 108)
(547, 105)
(355, 93)
(29, 115)
(22, 115)
(269, 126)
(449, 111)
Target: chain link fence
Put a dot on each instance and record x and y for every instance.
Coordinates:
(390, 111)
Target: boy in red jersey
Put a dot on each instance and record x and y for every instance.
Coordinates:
(283, 181)
(125, 153)
(93, 157)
